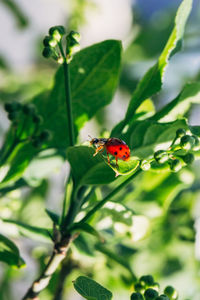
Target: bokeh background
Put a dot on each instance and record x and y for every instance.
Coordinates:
(143, 26)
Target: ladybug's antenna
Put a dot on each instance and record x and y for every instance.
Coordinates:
(90, 138)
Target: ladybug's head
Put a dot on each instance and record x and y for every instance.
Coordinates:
(94, 141)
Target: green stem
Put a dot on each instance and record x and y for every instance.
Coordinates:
(8, 153)
(68, 103)
(109, 196)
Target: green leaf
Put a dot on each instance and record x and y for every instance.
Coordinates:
(181, 104)
(146, 137)
(125, 167)
(152, 81)
(37, 233)
(86, 228)
(90, 289)
(53, 216)
(9, 253)
(18, 162)
(87, 169)
(94, 74)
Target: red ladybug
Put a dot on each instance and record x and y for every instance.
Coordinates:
(113, 146)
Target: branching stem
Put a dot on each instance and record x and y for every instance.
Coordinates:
(59, 253)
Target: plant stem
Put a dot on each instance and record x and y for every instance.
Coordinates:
(59, 253)
(109, 196)
(68, 103)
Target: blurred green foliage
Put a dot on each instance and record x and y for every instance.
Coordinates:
(148, 227)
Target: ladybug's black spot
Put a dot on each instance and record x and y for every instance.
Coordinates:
(120, 148)
(124, 156)
(115, 153)
(126, 152)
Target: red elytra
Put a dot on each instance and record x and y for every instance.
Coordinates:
(113, 146)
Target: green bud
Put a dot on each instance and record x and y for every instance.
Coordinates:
(150, 294)
(162, 297)
(175, 165)
(12, 106)
(171, 293)
(45, 135)
(146, 280)
(57, 32)
(49, 41)
(180, 132)
(196, 144)
(47, 52)
(161, 156)
(72, 45)
(139, 287)
(13, 115)
(155, 286)
(37, 143)
(136, 296)
(29, 109)
(188, 158)
(145, 165)
(75, 35)
(187, 142)
(37, 119)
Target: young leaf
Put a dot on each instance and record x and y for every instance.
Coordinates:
(33, 232)
(181, 104)
(125, 167)
(53, 216)
(9, 253)
(152, 81)
(86, 228)
(90, 289)
(18, 162)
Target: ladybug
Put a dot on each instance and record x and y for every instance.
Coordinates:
(113, 146)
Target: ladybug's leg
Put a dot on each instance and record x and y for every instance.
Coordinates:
(108, 158)
(98, 149)
(116, 162)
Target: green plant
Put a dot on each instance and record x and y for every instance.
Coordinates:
(163, 143)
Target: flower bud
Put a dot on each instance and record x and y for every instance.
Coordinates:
(136, 296)
(180, 132)
(36, 143)
(150, 294)
(139, 287)
(145, 165)
(188, 158)
(196, 144)
(187, 142)
(171, 293)
(75, 35)
(47, 52)
(37, 119)
(146, 280)
(57, 32)
(12, 106)
(49, 41)
(29, 109)
(161, 156)
(45, 135)
(175, 165)
(13, 115)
